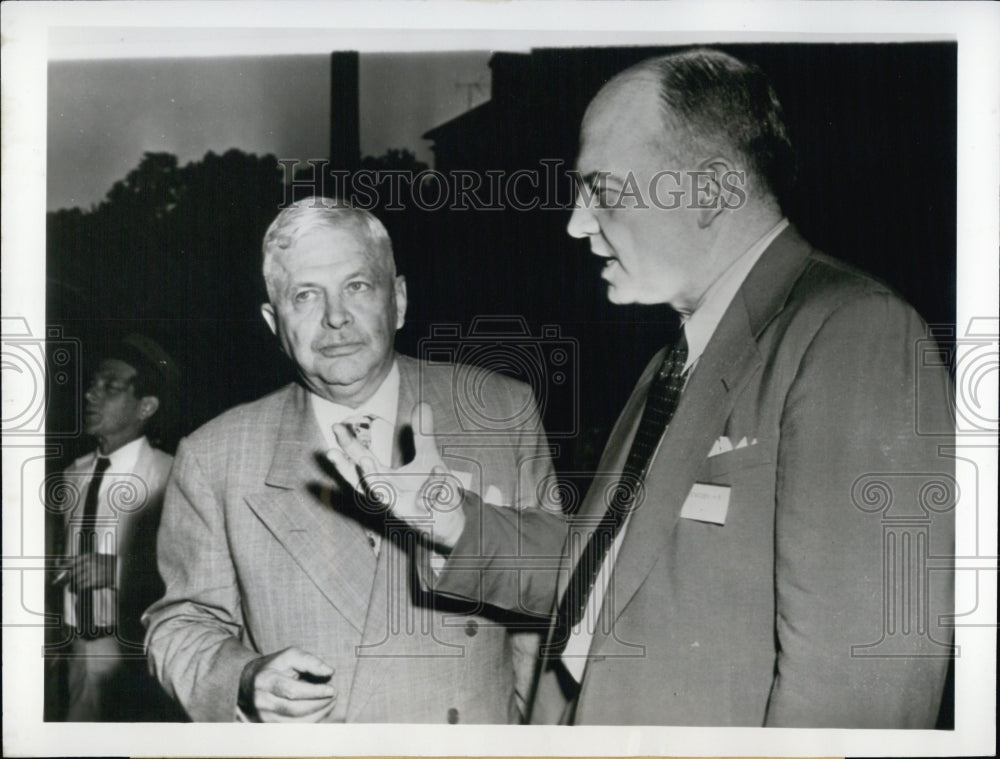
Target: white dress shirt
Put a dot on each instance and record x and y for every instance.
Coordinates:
(118, 479)
(383, 406)
(698, 329)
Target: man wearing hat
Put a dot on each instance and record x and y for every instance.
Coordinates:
(112, 499)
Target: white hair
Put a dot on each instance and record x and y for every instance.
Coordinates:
(316, 212)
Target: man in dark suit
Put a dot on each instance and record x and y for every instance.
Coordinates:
(288, 599)
(775, 549)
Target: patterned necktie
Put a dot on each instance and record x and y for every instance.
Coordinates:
(661, 402)
(361, 426)
(86, 542)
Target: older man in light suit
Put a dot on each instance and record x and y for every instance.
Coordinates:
(288, 599)
(776, 549)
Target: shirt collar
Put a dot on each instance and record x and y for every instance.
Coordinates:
(700, 326)
(123, 459)
(383, 405)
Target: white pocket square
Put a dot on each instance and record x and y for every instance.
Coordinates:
(722, 445)
(725, 445)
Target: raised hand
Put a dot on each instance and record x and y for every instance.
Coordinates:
(423, 493)
(288, 686)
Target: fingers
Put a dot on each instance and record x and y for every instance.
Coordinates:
(296, 711)
(273, 706)
(287, 687)
(295, 660)
(442, 491)
(91, 570)
(442, 496)
(81, 572)
(362, 457)
(294, 685)
(422, 423)
(345, 467)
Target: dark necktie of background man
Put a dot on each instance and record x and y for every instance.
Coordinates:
(86, 623)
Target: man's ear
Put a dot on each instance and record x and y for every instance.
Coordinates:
(148, 405)
(400, 293)
(711, 188)
(267, 311)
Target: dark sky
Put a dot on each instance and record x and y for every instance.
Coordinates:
(104, 114)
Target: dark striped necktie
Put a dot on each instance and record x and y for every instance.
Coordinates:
(87, 541)
(661, 402)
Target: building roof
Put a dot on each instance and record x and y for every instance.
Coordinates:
(462, 124)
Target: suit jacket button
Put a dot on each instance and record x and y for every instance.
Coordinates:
(471, 628)
(453, 716)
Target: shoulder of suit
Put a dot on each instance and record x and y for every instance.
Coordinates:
(161, 459)
(828, 284)
(256, 417)
(453, 378)
(155, 464)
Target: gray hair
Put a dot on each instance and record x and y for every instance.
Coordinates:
(317, 212)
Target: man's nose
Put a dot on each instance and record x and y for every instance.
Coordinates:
(582, 223)
(335, 315)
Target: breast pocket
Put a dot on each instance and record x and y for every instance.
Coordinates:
(723, 467)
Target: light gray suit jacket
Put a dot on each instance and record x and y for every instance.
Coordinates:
(260, 549)
(822, 598)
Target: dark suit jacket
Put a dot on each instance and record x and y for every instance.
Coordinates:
(261, 550)
(819, 600)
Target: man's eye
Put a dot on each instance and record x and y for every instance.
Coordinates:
(358, 287)
(304, 296)
(606, 196)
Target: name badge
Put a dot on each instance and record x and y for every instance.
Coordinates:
(707, 503)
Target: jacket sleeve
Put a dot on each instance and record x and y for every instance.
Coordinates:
(863, 527)
(537, 489)
(505, 557)
(193, 632)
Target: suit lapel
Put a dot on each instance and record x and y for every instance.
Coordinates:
(387, 597)
(298, 509)
(611, 464)
(729, 360)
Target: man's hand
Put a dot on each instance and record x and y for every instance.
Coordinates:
(88, 571)
(423, 493)
(288, 686)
